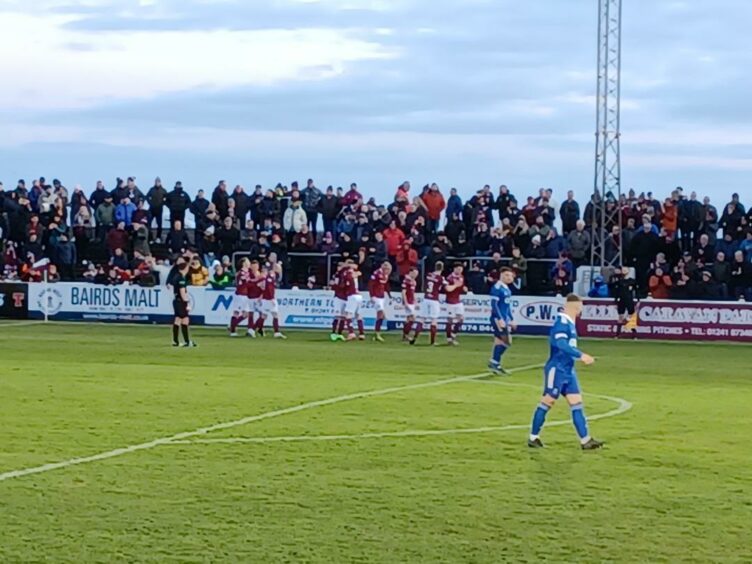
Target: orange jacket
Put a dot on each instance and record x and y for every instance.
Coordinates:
(670, 217)
(435, 203)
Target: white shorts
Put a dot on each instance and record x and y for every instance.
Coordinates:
(379, 304)
(339, 306)
(456, 310)
(270, 307)
(410, 309)
(254, 305)
(240, 303)
(430, 309)
(353, 304)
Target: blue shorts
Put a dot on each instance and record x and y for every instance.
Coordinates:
(558, 382)
(502, 334)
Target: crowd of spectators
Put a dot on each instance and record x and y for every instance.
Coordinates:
(680, 247)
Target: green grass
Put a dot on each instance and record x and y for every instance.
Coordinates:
(673, 485)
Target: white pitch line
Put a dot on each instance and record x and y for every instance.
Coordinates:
(238, 422)
(9, 324)
(622, 406)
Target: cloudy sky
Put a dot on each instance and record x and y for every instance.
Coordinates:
(375, 91)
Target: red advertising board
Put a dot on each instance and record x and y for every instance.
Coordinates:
(674, 320)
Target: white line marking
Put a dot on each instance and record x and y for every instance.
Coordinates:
(8, 324)
(238, 422)
(622, 407)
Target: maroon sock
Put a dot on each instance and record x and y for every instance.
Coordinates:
(335, 324)
(251, 323)
(361, 329)
(379, 322)
(449, 329)
(341, 325)
(407, 327)
(457, 328)
(275, 324)
(260, 323)
(418, 330)
(234, 323)
(434, 330)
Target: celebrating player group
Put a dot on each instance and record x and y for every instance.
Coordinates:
(255, 297)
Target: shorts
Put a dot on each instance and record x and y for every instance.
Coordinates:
(270, 307)
(410, 309)
(430, 309)
(254, 305)
(353, 304)
(558, 382)
(339, 306)
(180, 308)
(456, 310)
(623, 307)
(240, 303)
(379, 304)
(502, 333)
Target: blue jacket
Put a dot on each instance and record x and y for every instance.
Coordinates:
(124, 212)
(454, 206)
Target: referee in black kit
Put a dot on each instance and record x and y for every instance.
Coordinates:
(180, 304)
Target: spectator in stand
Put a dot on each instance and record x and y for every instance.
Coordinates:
(540, 227)
(721, 270)
(119, 260)
(454, 206)
(493, 269)
(562, 276)
(198, 274)
(198, 207)
(105, 216)
(98, 195)
(295, 219)
(578, 244)
(555, 244)
(435, 204)
(132, 191)
(690, 221)
(710, 223)
(242, 202)
(569, 212)
(304, 241)
(328, 245)
(746, 245)
(227, 237)
(660, 284)
(670, 215)
(220, 278)
(519, 264)
(141, 236)
(394, 237)
(352, 196)
(220, 199)
(733, 218)
(330, 208)
(740, 286)
(156, 197)
(269, 207)
(124, 212)
(177, 201)
(643, 248)
(177, 239)
(403, 193)
(406, 258)
(704, 251)
(312, 198)
(117, 238)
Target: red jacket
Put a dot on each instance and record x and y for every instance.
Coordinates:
(435, 203)
(393, 239)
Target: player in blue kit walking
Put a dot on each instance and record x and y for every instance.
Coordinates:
(502, 322)
(560, 377)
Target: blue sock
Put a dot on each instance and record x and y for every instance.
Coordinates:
(539, 418)
(498, 350)
(579, 420)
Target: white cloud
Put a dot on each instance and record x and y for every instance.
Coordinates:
(64, 68)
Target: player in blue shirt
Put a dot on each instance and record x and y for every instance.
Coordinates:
(502, 321)
(560, 377)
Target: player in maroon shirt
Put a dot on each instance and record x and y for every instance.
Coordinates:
(255, 289)
(409, 284)
(272, 273)
(240, 300)
(378, 289)
(354, 300)
(340, 301)
(455, 287)
(430, 306)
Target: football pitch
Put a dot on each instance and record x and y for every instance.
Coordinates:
(118, 448)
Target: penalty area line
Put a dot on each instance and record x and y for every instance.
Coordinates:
(239, 422)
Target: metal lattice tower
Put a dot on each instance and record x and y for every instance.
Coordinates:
(607, 185)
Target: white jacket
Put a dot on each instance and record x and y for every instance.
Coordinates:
(294, 219)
